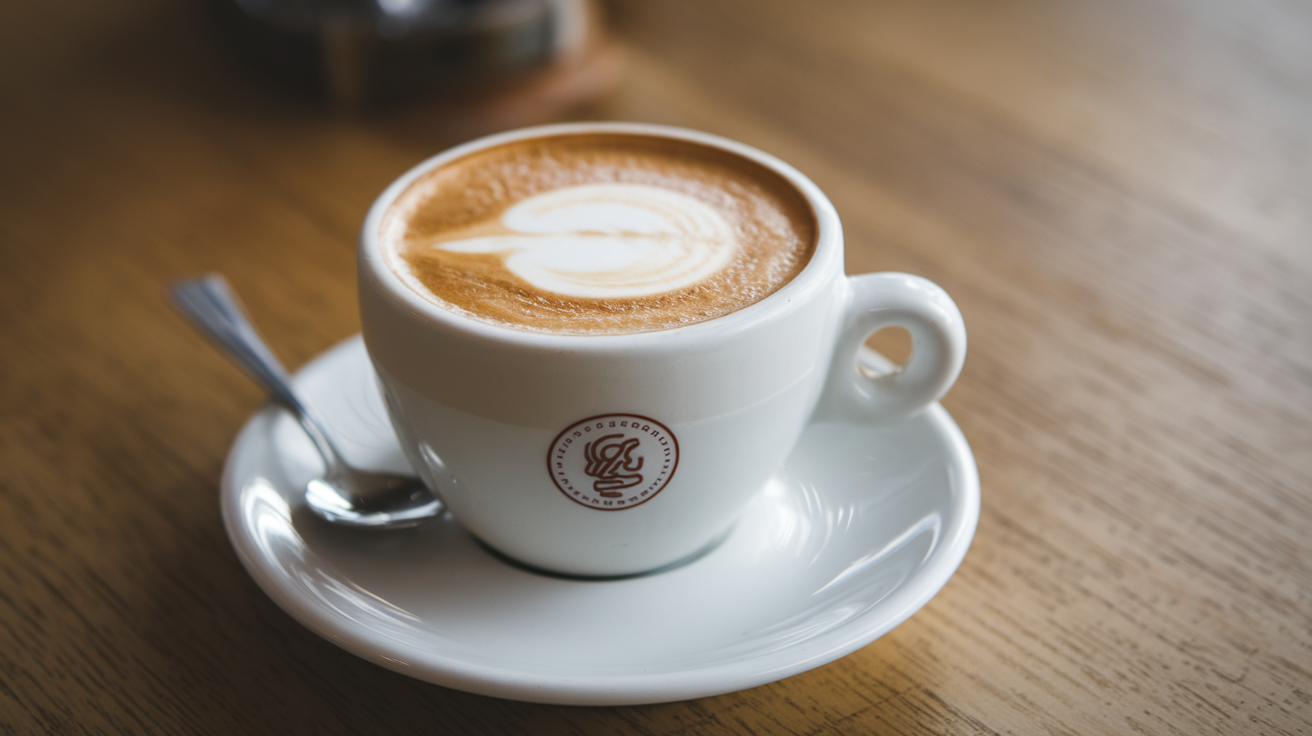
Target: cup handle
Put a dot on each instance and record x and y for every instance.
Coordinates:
(938, 337)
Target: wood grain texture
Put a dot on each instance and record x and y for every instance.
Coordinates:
(1118, 195)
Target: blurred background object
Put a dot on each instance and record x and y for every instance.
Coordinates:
(360, 54)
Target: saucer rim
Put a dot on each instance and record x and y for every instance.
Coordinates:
(613, 689)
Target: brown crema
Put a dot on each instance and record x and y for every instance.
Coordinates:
(772, 222)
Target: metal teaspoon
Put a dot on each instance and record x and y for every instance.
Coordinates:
(343, 495)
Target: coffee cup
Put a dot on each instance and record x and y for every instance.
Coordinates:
(597, 341)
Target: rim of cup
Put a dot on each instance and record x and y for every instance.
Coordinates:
(813, 276)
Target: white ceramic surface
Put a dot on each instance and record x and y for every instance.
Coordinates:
(861, 526)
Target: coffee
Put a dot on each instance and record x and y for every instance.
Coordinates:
(598, 233)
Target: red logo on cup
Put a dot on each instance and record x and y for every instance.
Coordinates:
(613, 461)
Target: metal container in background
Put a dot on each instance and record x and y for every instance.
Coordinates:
(369, 53)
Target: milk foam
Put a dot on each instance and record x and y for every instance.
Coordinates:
(609, 241)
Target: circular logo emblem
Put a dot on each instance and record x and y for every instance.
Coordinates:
(613, 461)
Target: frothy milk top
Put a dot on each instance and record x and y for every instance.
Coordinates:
(608, 241)
(597, 234)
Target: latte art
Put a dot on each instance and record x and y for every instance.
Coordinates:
(609, 241)
(597, 233)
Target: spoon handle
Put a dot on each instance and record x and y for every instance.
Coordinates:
(211, 305)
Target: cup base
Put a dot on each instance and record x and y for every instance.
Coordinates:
(710, 547)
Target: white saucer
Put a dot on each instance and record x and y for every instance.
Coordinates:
(860, 528)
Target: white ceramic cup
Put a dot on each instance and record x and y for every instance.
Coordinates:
(534, 441)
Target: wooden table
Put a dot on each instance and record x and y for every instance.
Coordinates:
(1118, 195)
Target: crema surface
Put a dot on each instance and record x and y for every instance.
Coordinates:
(598, 234)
